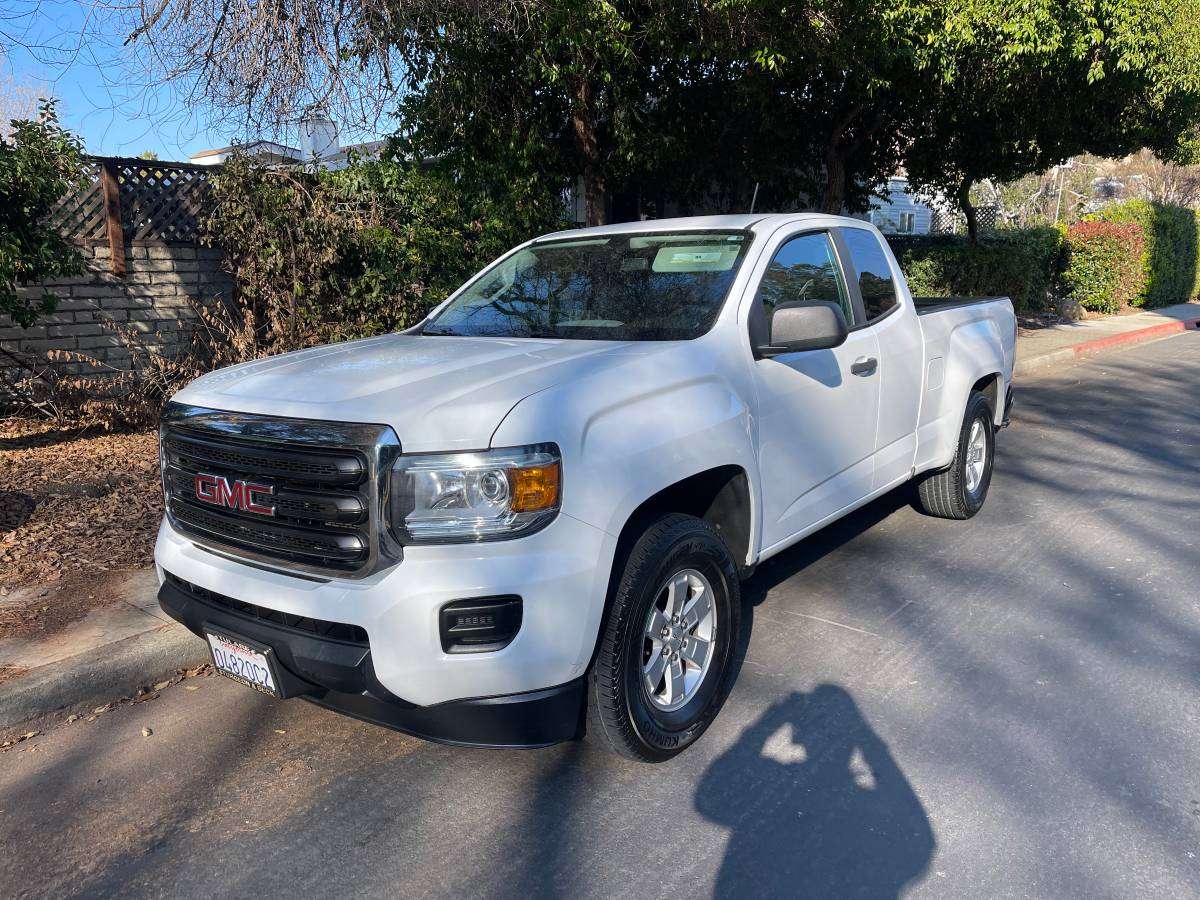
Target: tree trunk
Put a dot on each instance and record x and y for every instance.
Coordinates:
(594, 191)
(968, 210)
(837, 154)
(583, 128)
(834, 197)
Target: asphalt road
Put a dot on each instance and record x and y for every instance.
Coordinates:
(1007, 707)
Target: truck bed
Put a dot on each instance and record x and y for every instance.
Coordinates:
(935, 304)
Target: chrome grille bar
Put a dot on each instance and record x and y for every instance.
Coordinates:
(327, 484)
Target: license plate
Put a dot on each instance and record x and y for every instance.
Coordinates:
(236, 659)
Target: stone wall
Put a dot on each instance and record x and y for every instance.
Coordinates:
(152, 300)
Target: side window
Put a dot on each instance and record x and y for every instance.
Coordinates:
(875, 280)
(804, 269)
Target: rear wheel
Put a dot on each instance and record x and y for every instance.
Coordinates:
(958, 492)
(663, 667)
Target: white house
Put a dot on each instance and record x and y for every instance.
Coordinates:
(321, 148)
(268, 151)
(902, 212)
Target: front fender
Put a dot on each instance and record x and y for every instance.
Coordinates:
(624, 438)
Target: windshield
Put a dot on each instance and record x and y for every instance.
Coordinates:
(632, 287)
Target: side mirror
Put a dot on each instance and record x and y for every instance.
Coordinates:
(805, 325)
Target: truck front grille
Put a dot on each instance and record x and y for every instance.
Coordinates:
(317, 487)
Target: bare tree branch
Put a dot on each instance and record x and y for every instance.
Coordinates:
(270, 62)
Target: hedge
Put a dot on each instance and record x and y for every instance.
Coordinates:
(1170, 258)
(1104, 265)
(1020, 263)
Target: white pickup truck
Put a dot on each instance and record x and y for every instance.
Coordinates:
(526, 519)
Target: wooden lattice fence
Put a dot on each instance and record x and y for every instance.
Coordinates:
(133, 202)
(79, 215)
(136, 226)
(950, 221)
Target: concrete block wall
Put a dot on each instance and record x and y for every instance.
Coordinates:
(152, 300)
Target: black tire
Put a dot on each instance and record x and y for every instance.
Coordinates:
(945, 493)
(621, 715)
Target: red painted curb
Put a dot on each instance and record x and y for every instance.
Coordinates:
(1134, 337)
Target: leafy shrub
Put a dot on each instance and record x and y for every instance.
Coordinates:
(38, 163)
(1019, 263)
(1105, 265)
(323, 256)
(1170, 256)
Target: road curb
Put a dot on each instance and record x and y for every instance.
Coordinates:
(1068, 355)
(101, 675)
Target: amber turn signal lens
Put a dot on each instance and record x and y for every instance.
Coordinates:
(535, 488)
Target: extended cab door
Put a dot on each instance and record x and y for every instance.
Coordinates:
(892, 318)
(818, 408)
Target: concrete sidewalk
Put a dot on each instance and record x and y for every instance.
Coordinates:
(109, 653)
(1042, 348)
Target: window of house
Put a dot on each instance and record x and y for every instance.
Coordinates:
(908, 223)
(875, 281)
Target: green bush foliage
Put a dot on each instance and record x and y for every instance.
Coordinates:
(324, 256)
(1170, 257)
(1017, 263)
(1104, 266)
(38, 164)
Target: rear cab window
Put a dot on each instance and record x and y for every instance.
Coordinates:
(876, 283)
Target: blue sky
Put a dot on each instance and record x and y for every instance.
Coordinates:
(76, 53)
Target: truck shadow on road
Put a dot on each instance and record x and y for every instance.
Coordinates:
(816, 805)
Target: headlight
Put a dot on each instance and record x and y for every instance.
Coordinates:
(483, 496)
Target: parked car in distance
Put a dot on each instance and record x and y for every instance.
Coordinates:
(526, 519)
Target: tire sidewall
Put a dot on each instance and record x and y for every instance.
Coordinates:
(663, 733)
(978, 408)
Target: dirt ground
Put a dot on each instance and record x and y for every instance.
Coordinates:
(72, 508)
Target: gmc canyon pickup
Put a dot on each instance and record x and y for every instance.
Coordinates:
(526, 519)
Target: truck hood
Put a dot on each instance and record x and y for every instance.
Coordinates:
(438, 393)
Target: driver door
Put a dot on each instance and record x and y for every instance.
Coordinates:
(818, 409)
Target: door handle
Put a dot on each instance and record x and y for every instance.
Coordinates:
(864, 365)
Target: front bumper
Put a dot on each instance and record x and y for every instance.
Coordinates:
(561, 574)
(338, 674)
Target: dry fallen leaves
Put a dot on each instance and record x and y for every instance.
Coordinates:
(96, 502)
(205, 671)
(19, 739)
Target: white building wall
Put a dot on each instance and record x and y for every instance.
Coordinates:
(902, 212)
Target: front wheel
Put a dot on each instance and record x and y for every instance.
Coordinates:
(958, 492)
(664, 663)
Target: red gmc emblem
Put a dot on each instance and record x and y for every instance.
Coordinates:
(244, 495)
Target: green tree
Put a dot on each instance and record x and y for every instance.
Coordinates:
(39, 163)
(816, 100)
(1015, 89)
(544, 97)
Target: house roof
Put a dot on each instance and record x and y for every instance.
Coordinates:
(270, 146)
